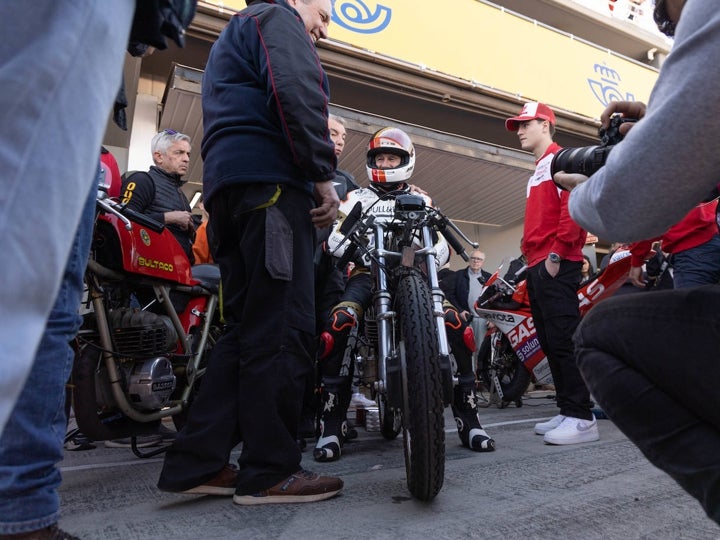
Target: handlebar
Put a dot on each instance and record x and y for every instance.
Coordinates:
(126, 215)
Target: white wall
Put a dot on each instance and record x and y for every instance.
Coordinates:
(496, 243)
(144, 129)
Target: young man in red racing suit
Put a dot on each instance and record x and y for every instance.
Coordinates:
(390, 163)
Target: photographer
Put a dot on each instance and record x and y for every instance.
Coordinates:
(651, 360)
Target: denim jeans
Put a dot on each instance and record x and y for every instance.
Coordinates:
(697, 266)
(652, 363)
(60, 68)
(32, 442)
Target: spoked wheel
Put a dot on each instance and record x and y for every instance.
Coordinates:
(511, 374)
(423, 423)
(390, 419)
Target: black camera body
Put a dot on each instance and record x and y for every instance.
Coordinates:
(588, 160)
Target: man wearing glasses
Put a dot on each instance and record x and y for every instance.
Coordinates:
(158, 192)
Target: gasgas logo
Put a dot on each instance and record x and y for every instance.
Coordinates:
(521, 332)
(155, 264)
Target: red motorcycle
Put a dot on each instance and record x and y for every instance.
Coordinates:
(511, 356)
(151, 321)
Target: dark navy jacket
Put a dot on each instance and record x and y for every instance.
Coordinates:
(265, 103)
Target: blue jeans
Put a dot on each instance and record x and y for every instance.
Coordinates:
(32, 442)
(651, 361)
(60, 69)
(697, 266)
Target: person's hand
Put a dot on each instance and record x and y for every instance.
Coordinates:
(552, 268)
(328, 203)
(629, 109)
(464, 315)
(635, 276)
(417, 190)
(179, 218)
(569, 181)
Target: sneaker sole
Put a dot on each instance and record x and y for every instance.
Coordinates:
(209, 490)
(590, 437)
(252, 500)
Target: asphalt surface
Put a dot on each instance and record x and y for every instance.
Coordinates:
(523, 490)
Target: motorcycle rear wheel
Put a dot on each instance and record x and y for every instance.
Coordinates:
(423, 422)
(514, 378)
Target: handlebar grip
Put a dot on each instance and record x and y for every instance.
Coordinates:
(143, 220)
(454, 243)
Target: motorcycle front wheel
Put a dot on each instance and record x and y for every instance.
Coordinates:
(510, 371)
(423, 422)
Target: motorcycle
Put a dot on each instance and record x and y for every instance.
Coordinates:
(150, 323)
(401, 352)
(511, 356)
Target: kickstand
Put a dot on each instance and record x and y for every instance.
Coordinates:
(145, 455)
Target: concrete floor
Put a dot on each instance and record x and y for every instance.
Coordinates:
(602, 490)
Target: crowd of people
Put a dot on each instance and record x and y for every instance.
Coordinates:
(263, 218)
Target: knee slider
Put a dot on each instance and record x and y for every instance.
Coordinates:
(343, 319)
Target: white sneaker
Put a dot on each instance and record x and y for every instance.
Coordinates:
(542, 428)
(573, 431)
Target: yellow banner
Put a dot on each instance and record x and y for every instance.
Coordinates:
(478, 42)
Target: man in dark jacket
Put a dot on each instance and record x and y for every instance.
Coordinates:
(158, 194)
(266, 151)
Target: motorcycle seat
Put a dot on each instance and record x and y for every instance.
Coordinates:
(208, 275)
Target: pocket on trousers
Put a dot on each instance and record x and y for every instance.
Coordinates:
(278, 245)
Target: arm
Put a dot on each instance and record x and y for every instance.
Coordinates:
(138, 192)
(666, 164)
(297, 88)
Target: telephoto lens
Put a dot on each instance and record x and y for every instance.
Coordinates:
(585, 160)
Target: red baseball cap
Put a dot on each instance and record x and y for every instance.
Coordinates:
(531, 111)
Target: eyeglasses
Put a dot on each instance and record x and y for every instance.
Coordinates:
(476, 259)
(170, 131)
(664, 24)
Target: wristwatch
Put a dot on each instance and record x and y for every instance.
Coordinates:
(554, 257)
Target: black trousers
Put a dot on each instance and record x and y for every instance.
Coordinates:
(652, 362)
(554, 306)
(257, 373)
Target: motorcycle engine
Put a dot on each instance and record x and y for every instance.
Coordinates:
(142, 341)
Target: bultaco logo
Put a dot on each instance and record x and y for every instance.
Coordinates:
(155, 264)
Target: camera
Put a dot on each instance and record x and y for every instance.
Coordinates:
(588, 160)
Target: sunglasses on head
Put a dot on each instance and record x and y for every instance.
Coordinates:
(664, 24)
(170, 131)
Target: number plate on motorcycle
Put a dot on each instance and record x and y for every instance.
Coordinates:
(408, 256)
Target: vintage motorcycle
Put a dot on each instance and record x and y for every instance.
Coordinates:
(511, 356)
(149, 325)
(401, 352)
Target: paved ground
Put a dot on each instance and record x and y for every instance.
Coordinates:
(524, 490)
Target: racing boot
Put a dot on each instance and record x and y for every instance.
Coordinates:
(465, 410)
(333, 423)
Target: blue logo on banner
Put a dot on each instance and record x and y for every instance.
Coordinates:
(356, 16)
(606, 85)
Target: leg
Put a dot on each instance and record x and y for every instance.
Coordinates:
(58, 88)
(32, 442)
(555, 312)
(335, 367)
(650, 362)
(462, 341)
